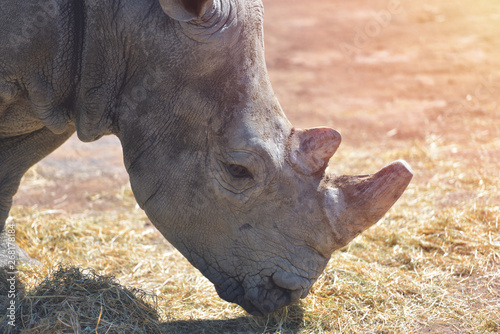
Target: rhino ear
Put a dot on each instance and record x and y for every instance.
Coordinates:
(185, 10)
(310, 150)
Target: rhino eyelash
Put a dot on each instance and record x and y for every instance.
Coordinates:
(239, 172)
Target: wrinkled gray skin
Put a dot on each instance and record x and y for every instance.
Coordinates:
(212, 159)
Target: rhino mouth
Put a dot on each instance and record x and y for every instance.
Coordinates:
(265, 289)
(266, 297)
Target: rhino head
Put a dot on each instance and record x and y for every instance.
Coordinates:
(212, 158)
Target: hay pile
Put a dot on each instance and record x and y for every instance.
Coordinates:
(80, 301)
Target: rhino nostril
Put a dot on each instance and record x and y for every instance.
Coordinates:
(287, 281)
(295, 286)
(275, 291)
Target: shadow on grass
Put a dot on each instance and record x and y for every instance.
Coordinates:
(238, 325)
(289, 320)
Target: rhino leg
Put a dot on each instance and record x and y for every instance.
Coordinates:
(17, 155)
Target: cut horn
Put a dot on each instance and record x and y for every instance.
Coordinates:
(354, 203)
(311, 149)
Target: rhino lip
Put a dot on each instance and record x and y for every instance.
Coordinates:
(269, 297)
(257, 299)
(261, 295)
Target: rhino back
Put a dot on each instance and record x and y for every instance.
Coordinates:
(40, 46)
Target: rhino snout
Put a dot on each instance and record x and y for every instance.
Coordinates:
(274, 292)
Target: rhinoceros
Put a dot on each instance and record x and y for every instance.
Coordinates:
(212, 159)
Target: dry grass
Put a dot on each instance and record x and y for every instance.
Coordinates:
(431, 265)
(80, 301)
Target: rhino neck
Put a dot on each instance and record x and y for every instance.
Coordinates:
(111, 60)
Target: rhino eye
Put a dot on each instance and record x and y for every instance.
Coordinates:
(239, 171)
